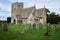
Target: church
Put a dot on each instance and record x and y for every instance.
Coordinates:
(19, 14)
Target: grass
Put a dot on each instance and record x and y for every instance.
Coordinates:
(37, 34)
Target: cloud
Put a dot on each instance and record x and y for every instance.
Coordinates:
(0, 4)
(5, 7)
(4, 15)
(1, 16)
(40, 3)
(5, 11)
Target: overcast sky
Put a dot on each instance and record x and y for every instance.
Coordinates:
(5, 6)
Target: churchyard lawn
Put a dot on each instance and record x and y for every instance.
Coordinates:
(13, 33)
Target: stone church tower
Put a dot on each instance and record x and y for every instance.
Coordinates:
(16, 10)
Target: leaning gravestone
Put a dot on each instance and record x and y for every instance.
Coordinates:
(5, 27)
(34, 26)
(48, 29)
(30, 28)
(40, 25)
(22, 29)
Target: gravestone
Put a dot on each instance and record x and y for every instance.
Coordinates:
(22, 29)
(54, 26)
(48, 29)
(5, 27)
(40, 25)
(34, 26)
(30, 28)
(0, 24)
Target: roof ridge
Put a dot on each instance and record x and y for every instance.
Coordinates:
(30, 7)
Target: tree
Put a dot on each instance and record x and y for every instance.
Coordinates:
(52, 18)
(47, 10)
(8, 19)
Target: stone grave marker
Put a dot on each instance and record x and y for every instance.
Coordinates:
(34, 26)
(30, 28)
(0, 24)
(54, 26)
(22, 29)
(5, 27)
(40, 25)
(48, 29)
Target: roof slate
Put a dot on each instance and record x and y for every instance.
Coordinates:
(27, 11)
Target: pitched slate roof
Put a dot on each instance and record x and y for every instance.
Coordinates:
(39, 12)
(26, 12)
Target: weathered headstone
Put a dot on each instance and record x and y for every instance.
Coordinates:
(0, 24)
(34, 26)
(52, 27)
(40, 25)
(5, 27)
(55, 27)
(48, 29)
(30, 28)
(22, 29)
